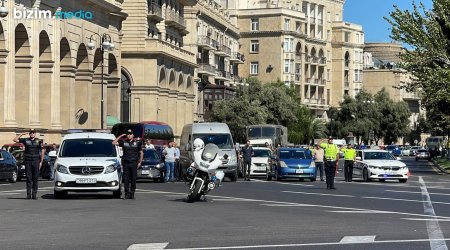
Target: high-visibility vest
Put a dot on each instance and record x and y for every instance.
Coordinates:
(331, 151)
(349, 154)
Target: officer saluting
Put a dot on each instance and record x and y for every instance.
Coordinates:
(331, 161)
(131, 160)
(34, 156)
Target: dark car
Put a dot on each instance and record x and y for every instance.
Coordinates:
(8, 166)
(151, 167)
(20, 158)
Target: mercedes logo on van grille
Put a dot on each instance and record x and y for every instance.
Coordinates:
(86, 170)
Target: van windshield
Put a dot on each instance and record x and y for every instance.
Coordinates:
(88, 148)
(223, 141)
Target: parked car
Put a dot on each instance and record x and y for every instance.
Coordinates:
(8, 166)
(260, 160)
(87, 162)
(381, 165)
(414, 149)
(406, 151)
(20, 161)
(423, 154)
(394, 149)
(292, 163)
(151, 167)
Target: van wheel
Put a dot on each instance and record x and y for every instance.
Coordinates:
(366, 175)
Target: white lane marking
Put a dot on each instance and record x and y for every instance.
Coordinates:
(8, 193)
(363, 212)
(433, 228)
(285, 183)
(395, 199)
(149, 246)
(5, 184)
(421, 219)
(413, 192)
(307, 244)
(295, 204)
(340, 195)
(358, 239)
(23, 190)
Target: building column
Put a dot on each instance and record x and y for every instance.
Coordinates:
(55, 102)
(3, 69)
(308, 9)
(10, 84)
(316, 16)
(34, 81)
(180, 121)
(172, 109)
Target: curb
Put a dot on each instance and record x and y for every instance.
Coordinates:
(439, 167)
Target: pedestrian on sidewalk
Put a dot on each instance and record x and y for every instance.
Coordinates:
(131, 161)
(52, 162)
(331, 161)
(319, 155)
(169, 156)
(148, 144)
(247, 153)
(177, 162)
(349, 159)
(34, 157)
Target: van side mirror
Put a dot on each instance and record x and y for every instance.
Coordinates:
(52, 154)
(398, 159)
(358, 158)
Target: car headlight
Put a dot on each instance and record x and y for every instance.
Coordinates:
(312, 165)
(22, 167)
(111, 168)
(62, 169)
(283, 164)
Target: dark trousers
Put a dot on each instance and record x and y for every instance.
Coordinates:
(178, 174)
(32, 168)
(348, 170)
(330, 172)
(129, 175)
(319, 167)
(247, 166)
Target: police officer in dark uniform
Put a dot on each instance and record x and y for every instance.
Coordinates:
(34, 156)
(131, 161)
(247, 153)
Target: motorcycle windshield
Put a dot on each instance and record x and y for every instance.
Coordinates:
(210, 152)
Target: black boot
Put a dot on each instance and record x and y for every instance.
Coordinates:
(127, 196)
(34, 197)
(28, 197)
(132, 196)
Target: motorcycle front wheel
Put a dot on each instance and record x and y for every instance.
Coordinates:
(194, 193)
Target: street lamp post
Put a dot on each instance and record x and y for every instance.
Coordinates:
(107, 45)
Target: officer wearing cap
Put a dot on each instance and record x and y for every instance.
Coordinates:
(349, 159)
(34, 156)
(131, 160)
(331, 161)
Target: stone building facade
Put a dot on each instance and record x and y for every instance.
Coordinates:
(157, 73)
(49, 79)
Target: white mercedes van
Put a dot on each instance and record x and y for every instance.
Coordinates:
(87, 162)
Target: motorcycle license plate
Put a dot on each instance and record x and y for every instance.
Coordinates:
(145, 172)
(86, 181)
(299, 171)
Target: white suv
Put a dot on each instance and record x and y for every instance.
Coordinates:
(87, 162)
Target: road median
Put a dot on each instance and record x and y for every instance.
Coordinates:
(443, 164)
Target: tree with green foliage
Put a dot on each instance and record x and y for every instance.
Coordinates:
(428, 33)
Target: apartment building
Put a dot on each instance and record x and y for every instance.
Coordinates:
(157, 68)
(292, 41)
(214, 39)
(348, 54)
(54, 76)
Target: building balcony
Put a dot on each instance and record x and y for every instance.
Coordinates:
(298, 77)
(223, 50)
(298, 57)
(154, 12)
(314, 101)
(347, 64)
(223, 75)
(347, 83)
(320, 21)
(314, 60)
(323, 81)
(206, 69)
(309, 59)
(174, 20)
(160, 47)
(316, 81)
(312, 19)
(205, 43)
(237, 57)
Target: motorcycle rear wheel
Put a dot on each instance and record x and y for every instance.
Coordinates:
(194, 194)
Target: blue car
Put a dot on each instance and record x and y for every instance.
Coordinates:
(394, 149)
(292, 163)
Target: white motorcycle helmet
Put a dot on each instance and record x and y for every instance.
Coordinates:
(198, 144)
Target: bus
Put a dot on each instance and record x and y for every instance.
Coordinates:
(159, 133)
(277, 133)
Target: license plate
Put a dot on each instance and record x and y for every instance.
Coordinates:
(390, 172)
(86, 181)
(145, 172)
(299, 171)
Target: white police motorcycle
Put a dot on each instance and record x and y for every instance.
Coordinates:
(203, 175)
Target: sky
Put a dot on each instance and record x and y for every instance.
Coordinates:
(370, 13)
